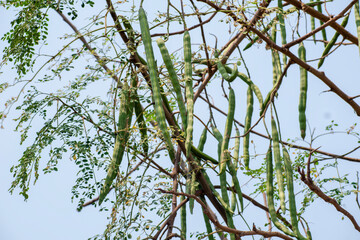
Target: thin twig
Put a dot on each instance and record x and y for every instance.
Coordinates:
(316, 14)
(174, 212)
(291, 145)
(211, 217)
(309, 182)
(340, 15)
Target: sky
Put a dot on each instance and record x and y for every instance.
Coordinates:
(49, 212)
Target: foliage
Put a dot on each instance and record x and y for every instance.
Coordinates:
(79, 101)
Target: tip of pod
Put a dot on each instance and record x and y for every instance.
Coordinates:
(303, 134)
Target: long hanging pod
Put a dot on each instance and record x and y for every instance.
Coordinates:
(270, 194)
(236, 148)
(155, 82)
(323, 31)
(219, 138)
(189, 92)
(312, 22)
(303, 92)
(249, 112)
(223, 182)
(189, 118)
(201, 148)
(224, 157)
(290, 187)
(235, 163)
(141, 124)
(278, 166)
(194, 184)
(207, 223)
(275, 57)
(122, 137)
(282, 26)
(332, 42)
(140, 117)
(173, 78)
(236, 184)
(183, 219)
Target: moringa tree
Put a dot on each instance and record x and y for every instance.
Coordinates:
(172, 111)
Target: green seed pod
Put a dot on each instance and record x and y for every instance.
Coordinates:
(332, 42)
(224, 157)
(270, 194)
(233, 200)
(120, 142)
(202, 140)
(193, 186)
(207, 224)
(282, 26)
(267, 99)
(303, 92)
(278, 166)
(155, 82)
(223, 71)
(224, 74)
(275, 57)
(236, 148)
(254, 88)
(249, 112)
(236, 183)
(174, 79)
(323, 31)
(189, 92)
(290, 187)
(183, 219)
(217, 195)
(312, 22)
(140, 117)
(219, 138)
(202, 155)
(141, 124)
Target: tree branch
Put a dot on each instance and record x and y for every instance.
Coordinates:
(316, 14)
(333, 19)
(286, 143)
(309, 182)
(321, 75)
(91, 50)
(232, 46)
(211, 215)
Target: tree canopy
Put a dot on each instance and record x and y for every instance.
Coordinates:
(190, 119)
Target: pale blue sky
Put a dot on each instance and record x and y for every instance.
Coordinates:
(50, 214)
